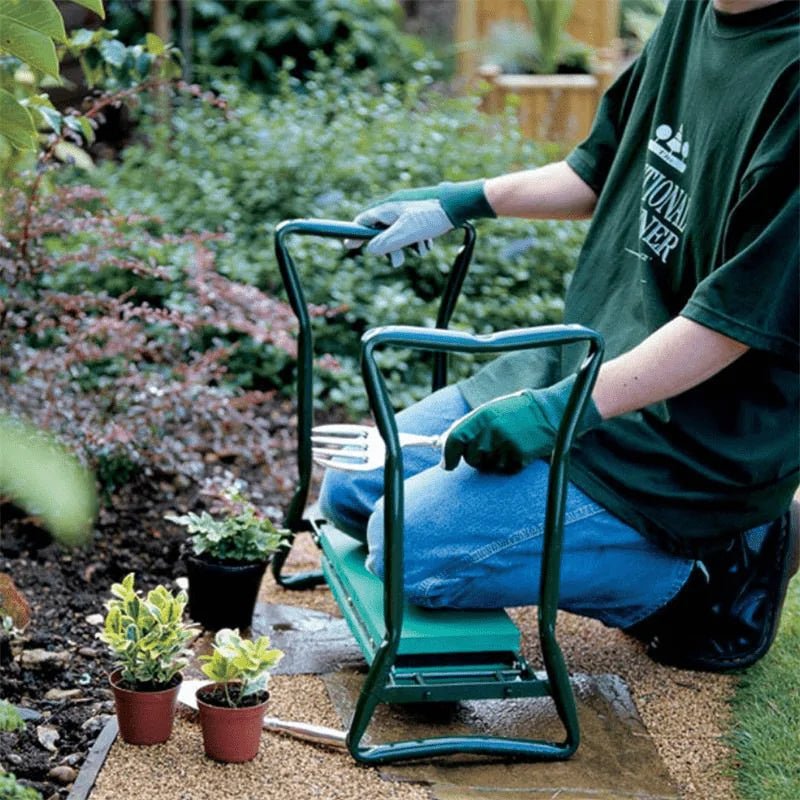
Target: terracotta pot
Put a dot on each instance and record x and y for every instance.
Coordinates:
(223, 594)
(232, 735)
(144, 717)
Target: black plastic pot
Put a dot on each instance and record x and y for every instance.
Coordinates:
(222, 594)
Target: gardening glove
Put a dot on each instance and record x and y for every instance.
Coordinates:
(417, 216)
(508, 433)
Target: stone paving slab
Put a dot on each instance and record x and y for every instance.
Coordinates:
(617, 759)
(318, 643)
(313, 642)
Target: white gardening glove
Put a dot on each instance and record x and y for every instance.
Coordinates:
(407, 222)
(414, 217)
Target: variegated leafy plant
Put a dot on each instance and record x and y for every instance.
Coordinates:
(241, 666)
(146, 634)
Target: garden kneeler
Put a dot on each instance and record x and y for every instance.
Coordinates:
(416, 654)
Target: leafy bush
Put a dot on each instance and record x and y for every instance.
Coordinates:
(115, 338)
(10, 789)
(28, 52)
(37, 474)
(240, 665)
(30, 61)
(326, 153)
(243, 534)
(146, 634)
(252, 39)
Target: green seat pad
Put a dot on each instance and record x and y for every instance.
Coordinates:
(425, 631)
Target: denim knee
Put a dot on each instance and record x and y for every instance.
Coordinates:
(420, 564)
(339, 504)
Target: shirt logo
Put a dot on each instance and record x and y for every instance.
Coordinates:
(672, 148)
(664, 210)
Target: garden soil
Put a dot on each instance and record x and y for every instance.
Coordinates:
(57, 675)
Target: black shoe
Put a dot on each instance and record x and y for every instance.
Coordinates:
(727, 614)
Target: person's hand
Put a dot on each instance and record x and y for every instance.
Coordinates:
(407, 222)
(508, 433)
(414, 217)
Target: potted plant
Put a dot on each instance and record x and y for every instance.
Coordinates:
(229, 556)
(537, 52)
(232, 707)
(148, 638)
(638, 21)
(11, 790)
(546, 50)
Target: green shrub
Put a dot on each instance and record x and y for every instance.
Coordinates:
(27, 54)
(240, 665)
(326, 153)
(11, 790)
(10, 719)
(252, 39)
(29, 62)
(114, 340)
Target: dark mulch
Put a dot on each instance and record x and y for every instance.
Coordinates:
(64, 589)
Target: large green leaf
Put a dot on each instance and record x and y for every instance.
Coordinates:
(25, 43)
(16, 123)
(154, 44)
(93, 5)
(47, 481)
(40, 16)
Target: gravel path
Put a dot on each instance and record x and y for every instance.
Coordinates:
(686, 713)
(285, 769)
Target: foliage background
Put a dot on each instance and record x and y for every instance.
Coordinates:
(253, 41)
(325, 150)
(141, 310)
(142, 301)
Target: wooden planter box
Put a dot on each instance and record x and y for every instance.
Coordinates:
(595, 22)
(557, 108)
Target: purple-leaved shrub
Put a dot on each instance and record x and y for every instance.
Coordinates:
(116, 339)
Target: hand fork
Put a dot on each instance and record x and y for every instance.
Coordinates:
(359, 448)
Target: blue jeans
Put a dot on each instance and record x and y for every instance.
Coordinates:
(474, 539)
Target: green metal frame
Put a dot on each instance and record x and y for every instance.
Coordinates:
(294, 520)
(394, 674)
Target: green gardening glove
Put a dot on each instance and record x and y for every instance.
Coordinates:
(417, 216)
(508, 433)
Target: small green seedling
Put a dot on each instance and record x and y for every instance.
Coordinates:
(146, 634)
(11, 790)
(241, 666)
(10, 719)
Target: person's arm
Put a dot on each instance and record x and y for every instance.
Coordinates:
(508, 433)
(417, 216)
(675, 358)
(551, 192)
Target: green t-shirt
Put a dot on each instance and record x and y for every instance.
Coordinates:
(694, 158)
